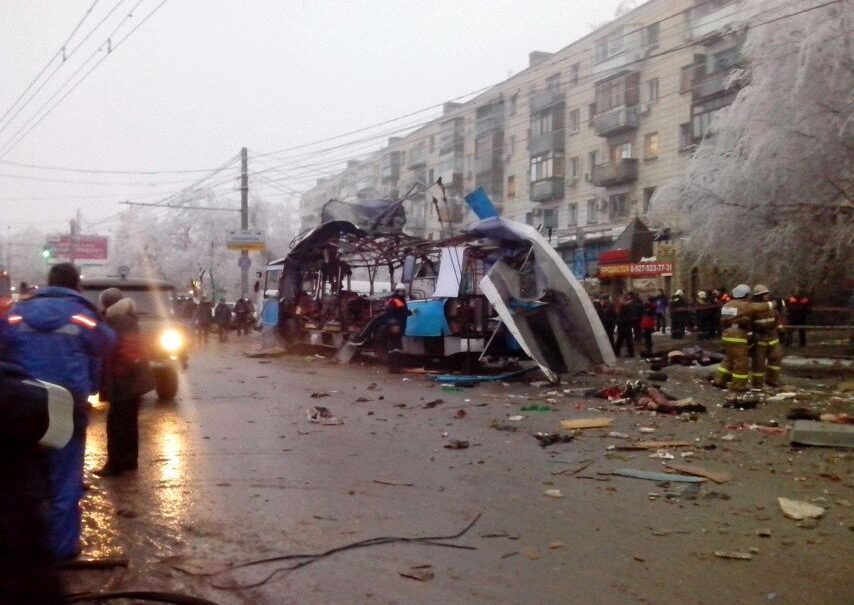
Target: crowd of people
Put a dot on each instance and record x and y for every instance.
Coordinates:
(630, 319)
(204, 316)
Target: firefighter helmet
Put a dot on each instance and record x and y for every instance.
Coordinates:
(740, 291)
(760, 289)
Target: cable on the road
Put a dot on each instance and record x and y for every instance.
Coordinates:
(313, 558)
(140, 595)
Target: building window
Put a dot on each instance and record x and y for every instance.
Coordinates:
(511, 147)
(618, 206)
(725, 60)
(574, 121)
(546, 166)
(618, 92)
(573, 73)
(651, 90)
(553, 83)
(511, 186)
(650, 34)
(601, 51)
(686, 140)
(701, 124)
(572, 215)
(650, 146)
(513, 100)
(431, 176)
(591, 113)
(620, 152)
(592, 211)
(432, 142)
(541, 123)
(615, 42)
(529, 218)
(686, 78)
(550, 218)
(574, 167)
(648, 192)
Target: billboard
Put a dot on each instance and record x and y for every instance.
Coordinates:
(80, 249)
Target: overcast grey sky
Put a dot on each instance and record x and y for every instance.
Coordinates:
(201, 78)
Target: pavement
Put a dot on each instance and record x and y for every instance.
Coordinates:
(234, 471)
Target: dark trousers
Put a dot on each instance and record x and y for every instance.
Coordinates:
(624, 335)
(788, 337)
(647, 341)
(223, 333)
(202, 334)
(609, 330)
(27, 576)
(123, 434)
(660, 323)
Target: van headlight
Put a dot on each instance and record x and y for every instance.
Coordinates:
(171, 340)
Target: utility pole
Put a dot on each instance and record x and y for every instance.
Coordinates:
(244, 219)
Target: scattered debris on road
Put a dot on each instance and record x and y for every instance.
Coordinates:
(798, 510)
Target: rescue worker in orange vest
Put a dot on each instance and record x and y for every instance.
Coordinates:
(737, 322)
(767, 352)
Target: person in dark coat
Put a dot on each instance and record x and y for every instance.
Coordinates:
(625, 325)
(608, 314)
(31, 420)
(242, 316)
(678, 315)
(222, 318)
(636, 305)
(126, 378)
(203, 320)
(58, 336)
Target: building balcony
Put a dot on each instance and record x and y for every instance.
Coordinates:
(451, 143)
(615, 173)
(390, 173)
(712, 85)
(489, 163)
(616, 121)
(549, 141)
(712, 18)
(547, 189)
(487, 124)
(417, 159)
(545, 99)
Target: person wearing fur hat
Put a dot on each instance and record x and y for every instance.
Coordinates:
(126, 378)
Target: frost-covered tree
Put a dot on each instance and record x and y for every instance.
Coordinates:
(768, 193)
(188, 243)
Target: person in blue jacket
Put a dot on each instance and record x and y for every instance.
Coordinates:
(58, 336)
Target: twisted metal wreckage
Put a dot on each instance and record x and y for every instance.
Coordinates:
(496, 289)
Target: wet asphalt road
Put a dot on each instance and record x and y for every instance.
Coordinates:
(234, 471)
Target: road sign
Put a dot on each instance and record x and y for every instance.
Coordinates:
(244, 262)
(246, 239)
(89, 249)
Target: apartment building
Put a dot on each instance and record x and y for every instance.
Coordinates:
(578, 143)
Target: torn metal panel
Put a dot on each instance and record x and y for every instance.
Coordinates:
(565, 334)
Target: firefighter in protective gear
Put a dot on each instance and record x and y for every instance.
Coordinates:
(737, 323)
(767, 353)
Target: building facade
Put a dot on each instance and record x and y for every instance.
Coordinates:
(578, 143)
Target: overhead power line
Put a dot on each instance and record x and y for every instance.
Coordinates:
(67, 55)
(12, 143)
(58, 53)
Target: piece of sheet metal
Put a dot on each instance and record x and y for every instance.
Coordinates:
(566, 335)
